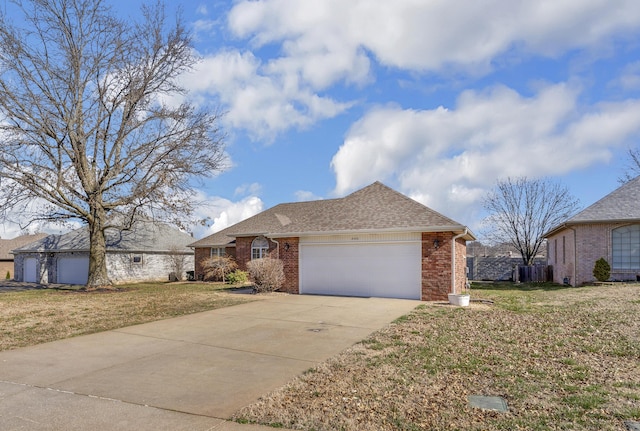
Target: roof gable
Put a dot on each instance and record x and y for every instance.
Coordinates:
(623, 204)
(373, 208)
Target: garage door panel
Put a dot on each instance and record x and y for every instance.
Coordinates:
(383, 270)
(73, 270)
(30, 270)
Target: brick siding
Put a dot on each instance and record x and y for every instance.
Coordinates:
(583, 245)
(461, 265)
(290, 257)
(4, 267)
(436, 263)
(436, 266)
(202, 254)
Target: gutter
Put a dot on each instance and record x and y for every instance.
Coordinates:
(453, 259)
(435, 229)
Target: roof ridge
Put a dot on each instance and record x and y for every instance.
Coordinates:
(621, 190)
(403, 196)
(376, 207)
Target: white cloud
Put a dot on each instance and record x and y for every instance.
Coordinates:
(449, 158)
(202, 9)
(223, 213)
(10, 230)
(305, 196)
(206, 26)
(304, 48)
(629, 79)
(253, 189)
(23, 220)
(262, 103)
(326, 40)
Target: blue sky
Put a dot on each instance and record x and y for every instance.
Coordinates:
(436, 99)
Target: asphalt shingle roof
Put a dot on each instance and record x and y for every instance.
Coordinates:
(620, 205)
(373, 208)
(146, 236)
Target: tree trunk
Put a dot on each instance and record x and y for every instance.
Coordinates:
(97, 250)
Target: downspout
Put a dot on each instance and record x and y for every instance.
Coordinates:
(453, 259)
(277, 246)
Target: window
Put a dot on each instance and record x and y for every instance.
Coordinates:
(217, 252)
(137, 259)
(259, 248)
(625, 244)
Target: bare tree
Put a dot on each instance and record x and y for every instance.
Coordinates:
(177, 261)
(87, 127)
(633, 169)
(522, 210)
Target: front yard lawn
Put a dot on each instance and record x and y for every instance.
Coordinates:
(37, 316)
(562, 358)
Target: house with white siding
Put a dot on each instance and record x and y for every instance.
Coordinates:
(146, 252)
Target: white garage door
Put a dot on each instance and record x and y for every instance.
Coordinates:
(30, 270)
(73, 269)
(361, 267)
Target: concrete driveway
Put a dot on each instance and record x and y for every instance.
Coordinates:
(186, 373)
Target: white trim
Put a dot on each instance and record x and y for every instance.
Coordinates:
(262, 251)
(220, 249)
(360, 238)
(453, 260)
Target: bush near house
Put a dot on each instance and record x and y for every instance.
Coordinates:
(267, 274)
(602, 270)
(237, 277)
(217, 268)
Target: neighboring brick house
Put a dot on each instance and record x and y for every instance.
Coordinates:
(6, 245)
(146, 252)
(373, 242)
(610, 228)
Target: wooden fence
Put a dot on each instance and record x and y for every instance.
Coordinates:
(534, 273)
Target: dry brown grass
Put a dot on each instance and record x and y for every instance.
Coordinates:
(37, 316)
(562, 358)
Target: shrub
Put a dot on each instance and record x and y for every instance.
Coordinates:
(267, 274)
(237, 277)
(218, 267)
(602, 270)
(8, 277)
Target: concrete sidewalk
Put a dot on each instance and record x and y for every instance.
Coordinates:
(188, 373)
